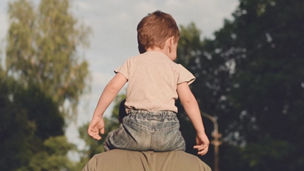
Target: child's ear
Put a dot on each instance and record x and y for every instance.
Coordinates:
(171, 43)
(172, 40)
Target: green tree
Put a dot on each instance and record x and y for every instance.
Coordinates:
(53, 157)
(189, 45)
(269, 77)
(16, 131)
(44, 76)
(28, 118)
(42, 50)
(249, 76)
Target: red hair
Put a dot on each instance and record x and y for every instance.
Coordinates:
(154, 29)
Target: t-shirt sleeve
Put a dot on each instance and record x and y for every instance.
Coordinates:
(183, 75)
(124, 69)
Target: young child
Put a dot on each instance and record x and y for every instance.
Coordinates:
(155, 81)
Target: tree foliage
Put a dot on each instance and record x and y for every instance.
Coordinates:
(28, 118)
(250, 77)
(53, 157)
(42, 49)
(16, 131)
(44, 76)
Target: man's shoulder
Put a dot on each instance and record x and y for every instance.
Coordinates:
(135, 160)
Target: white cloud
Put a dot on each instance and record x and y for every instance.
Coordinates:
(100, 79)
(3, 29)
(4, 24)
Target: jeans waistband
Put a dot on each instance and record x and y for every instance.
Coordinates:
(151, 115)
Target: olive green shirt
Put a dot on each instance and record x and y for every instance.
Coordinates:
(123, 160)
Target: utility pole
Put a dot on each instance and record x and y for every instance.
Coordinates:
(216, 140)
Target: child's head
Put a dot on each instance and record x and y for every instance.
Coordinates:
(154, 29)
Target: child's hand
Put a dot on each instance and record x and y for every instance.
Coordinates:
(202, 143)
(96, 127)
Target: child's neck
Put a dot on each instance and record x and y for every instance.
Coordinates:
(157, 49)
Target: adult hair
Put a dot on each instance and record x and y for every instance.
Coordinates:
(154, 29)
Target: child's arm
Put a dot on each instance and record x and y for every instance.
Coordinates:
(109, 93)
(192, 109)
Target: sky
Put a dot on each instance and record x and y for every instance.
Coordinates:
(113, 36)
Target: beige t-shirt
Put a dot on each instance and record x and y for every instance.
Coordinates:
(152, 81)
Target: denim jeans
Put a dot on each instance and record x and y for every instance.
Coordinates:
(142, 130)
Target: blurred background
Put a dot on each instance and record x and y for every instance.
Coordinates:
(57, 56)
